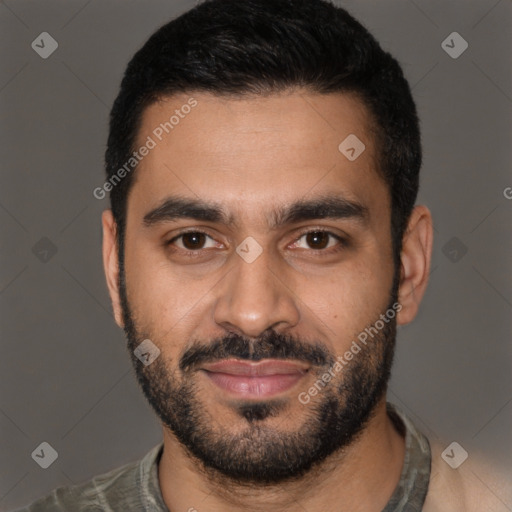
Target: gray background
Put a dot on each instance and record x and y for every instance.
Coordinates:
(66, 376)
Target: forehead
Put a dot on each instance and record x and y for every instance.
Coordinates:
(251, 153)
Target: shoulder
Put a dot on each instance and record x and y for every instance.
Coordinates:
(471, 485)
(114, 490)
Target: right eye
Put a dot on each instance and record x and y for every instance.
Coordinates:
(193, 241)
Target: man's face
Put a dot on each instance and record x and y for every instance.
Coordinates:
(276, 257)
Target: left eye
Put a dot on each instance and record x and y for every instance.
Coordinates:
(317, 240)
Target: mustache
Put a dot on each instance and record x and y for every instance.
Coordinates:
(270, 345)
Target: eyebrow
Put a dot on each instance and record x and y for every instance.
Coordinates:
(330, 206)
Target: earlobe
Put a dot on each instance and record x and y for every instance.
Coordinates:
(415, 263)
(111, 263)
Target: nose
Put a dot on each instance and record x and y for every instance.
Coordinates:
(254, 297)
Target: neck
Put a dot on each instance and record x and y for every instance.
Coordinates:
(362, 477)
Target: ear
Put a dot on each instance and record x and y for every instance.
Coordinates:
(111, 263)
(415, 263)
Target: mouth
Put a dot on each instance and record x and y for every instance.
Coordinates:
(249, 379)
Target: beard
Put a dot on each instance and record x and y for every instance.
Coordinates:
(260, 453)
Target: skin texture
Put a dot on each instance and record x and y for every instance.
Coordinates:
(253, 156)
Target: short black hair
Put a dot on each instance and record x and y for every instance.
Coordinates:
(247, 47)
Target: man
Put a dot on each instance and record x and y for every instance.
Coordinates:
(262, 247)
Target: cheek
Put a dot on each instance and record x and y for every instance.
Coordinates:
(352, 297)
(159, 298)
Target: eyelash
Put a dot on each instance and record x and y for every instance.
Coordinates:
(342, 242)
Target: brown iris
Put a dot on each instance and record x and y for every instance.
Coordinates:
(193, 241)
(317, 239)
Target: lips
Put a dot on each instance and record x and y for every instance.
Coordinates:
(248, 379)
